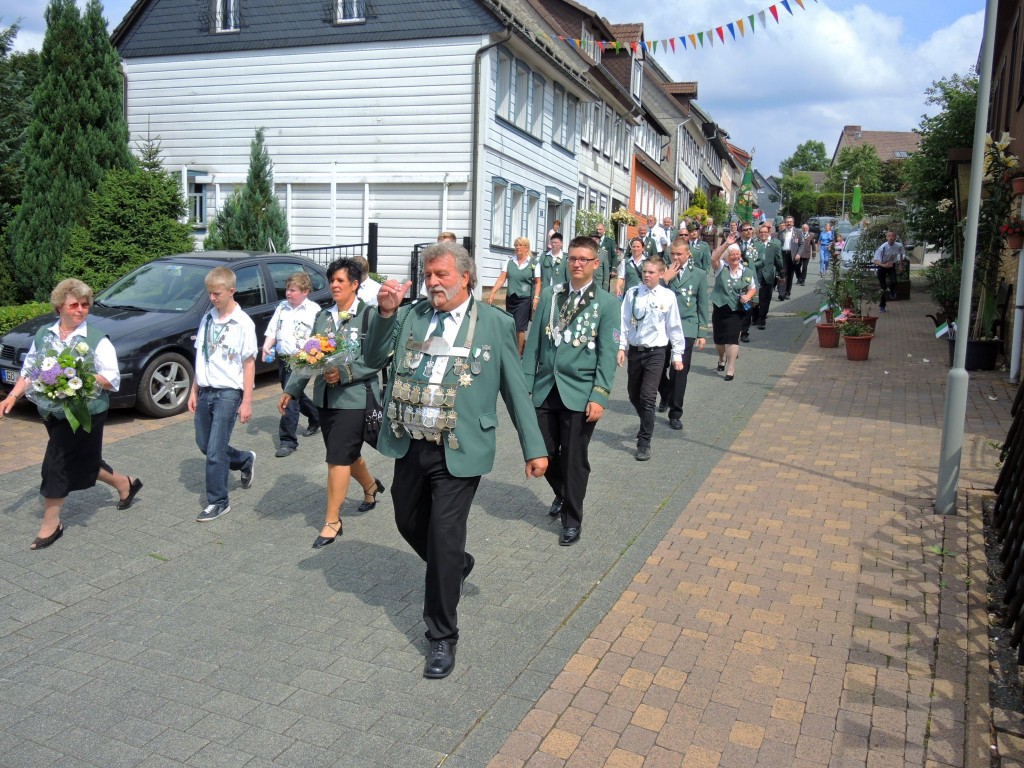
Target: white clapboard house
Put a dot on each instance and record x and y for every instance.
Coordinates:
(456, 115)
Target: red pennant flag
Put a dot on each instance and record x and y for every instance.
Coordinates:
(600, 45)
(774, 12)
(672, 42)
(636, 51)
(721, 33)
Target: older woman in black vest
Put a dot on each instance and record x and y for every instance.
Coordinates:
(74, 457)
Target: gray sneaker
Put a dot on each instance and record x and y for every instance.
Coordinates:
(248, 473)
(212, 512)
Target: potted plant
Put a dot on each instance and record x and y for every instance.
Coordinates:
(857, 337)
(828, 336)
(1013, 230)
(623, 217)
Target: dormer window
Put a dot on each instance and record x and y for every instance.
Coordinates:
(636, 81)
(589, 46)
(349, 11)
(226, 15)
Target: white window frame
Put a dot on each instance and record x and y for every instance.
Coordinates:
(636, 79)
(557, 114)
(572, 115)
(517, 219)
(533, 219)
(537, 105)
(349, 11)
(609, 131)
(227, 15)
(521, 96)
(499, 214)
(503, 85)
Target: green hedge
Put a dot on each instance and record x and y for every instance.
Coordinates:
(12, 316)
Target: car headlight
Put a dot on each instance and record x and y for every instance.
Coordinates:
(22, 356)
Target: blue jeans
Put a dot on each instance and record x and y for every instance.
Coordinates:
(216, 411)
(301, 404)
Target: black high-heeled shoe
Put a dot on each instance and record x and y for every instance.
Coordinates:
(721, 366)
(366, 506)
(323, 541)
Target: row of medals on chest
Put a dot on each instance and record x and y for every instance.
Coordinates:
(559, 331)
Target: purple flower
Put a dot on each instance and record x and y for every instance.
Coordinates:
(313, 345)
(69, 371)
(50, 376)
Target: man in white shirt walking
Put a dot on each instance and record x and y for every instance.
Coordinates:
(650, 322)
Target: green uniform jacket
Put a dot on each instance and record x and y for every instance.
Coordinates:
(691, 289)
(632, 271)
(768, 263)
(606, 252)
(476, 404)
(551, 273)
(584, 367)
(650, 246)
(350, 391)
(700, 255)
(727, 290)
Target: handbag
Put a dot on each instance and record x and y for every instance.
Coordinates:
(372, 417)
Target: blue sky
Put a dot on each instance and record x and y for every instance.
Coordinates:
(840, 62)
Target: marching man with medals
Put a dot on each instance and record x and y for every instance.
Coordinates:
(453, 355)
(570, 362)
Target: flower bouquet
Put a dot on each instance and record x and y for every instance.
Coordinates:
(322, 351)
(64, 382)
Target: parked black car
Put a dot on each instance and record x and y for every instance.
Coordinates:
(152, 314)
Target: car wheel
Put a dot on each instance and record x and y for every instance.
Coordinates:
(165, 386)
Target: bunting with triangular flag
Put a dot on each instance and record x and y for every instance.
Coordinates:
(732, 29)
(785, 4)
(775, 12)
(721, 34)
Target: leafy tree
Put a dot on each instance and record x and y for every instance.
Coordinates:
(928, 182)
(893, 176)
(77, 133)
(717, 209)
(809, 156)
(864, 168)
(251, 218)
(135, 216)
(798, 195)
(18, 76)
(587, 220)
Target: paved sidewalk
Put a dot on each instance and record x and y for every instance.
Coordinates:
(771, 589)
(806, 608)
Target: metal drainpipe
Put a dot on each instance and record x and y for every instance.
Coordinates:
(476, 165)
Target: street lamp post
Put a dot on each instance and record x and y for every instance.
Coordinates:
(846, 175)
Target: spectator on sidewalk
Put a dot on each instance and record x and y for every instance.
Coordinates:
(888, 259)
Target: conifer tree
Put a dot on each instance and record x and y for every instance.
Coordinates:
(251, 218)
(77, 132)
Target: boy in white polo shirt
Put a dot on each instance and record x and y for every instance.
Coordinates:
(290, 326)
(225, 373)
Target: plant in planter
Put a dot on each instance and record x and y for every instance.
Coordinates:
(857, 337)
(1013, 230)
(623, 217)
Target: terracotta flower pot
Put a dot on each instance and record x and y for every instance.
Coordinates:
(1016, 242)
(1017, 184)
(857, 347)
(870, 321)
(828, 336)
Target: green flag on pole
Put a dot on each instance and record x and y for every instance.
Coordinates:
(855, 206)
(745, 197)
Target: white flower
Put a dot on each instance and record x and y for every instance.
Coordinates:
(48, 363)
(81, 348)
(74, 384)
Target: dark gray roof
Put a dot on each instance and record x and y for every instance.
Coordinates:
(168, 27)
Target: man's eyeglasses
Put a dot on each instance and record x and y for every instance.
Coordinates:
(579, 260)
(748, 229)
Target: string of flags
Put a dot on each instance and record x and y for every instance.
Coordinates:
(697, 40)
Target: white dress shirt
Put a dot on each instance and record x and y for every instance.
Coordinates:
(221, 348)
(650, 318)
(291, 326)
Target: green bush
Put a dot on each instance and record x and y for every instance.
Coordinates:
(12, 316)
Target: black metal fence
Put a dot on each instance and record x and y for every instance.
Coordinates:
(1008, 520)
(329, 253)
(416, 264)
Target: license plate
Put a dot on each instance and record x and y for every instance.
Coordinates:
(11, 376)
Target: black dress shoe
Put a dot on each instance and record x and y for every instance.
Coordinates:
(745, 337)
(134, 486)
(311, 430)
(366, 506)
(284, 450)
(730, 377)
(440, 661)
(721, 367)
(569, 537)
(760, 326)
(662, 407)
(41, 542)
(675, 423)
(556, 507)
(323, 541)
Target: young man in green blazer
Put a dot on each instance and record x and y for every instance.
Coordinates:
(606, 252)
(700, 251)
(570, 362)
(452, 357)
(769, 268)
(690, 285)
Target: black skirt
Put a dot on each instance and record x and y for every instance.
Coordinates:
(73, 459)
(519, 308)
(343, 434)
(727, 323)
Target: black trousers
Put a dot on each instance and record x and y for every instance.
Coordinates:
(759, 313)
(302, 404)
(748, 315)
(887, 281)
(672, 388)
(431, 509)
(789, 266)
(567, 436)
(644, 369)
(801, 270)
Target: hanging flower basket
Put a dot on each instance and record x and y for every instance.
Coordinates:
(1013, 230)
(1016, 242)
